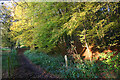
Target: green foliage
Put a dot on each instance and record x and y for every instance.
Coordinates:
(7, 38)
(12, 60)
(111, 60)
(47, 62)
(56, 65)
(76, 68)
(45, 24)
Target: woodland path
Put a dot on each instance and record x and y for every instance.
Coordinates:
(29, 70)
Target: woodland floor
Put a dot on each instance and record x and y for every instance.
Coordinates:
(28, 70)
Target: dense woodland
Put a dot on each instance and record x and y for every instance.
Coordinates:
(80, 30)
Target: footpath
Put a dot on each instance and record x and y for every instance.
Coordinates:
(28, 70)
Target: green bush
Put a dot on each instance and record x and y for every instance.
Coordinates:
(56, 65)
(75, 69)
(27, 52)
(111, 60)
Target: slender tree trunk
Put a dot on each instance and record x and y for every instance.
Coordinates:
(87, 45)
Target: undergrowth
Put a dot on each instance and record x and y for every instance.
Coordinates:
(9, 61)
(75, 69)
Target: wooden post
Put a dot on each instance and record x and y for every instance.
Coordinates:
(66, 62)
(9, 75)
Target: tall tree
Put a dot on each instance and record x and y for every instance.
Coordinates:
(6, 20)
(46, 24)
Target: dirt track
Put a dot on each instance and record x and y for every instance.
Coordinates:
(28, 70)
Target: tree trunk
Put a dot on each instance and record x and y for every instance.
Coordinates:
(87, 44)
